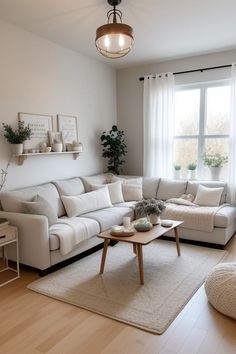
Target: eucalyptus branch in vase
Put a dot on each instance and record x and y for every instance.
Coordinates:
(4, 175)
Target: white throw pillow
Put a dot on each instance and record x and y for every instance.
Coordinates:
(131, 187)
(135, 180)
(87, 202)
(208, 196)
(115, 191)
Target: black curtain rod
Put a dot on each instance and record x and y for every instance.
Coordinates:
(195, 70)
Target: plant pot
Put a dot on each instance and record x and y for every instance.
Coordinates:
(57, 147)
(191, 174)
(154, 219)
(215, 173)
(17, 149)
(177, 174)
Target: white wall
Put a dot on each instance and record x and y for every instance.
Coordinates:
(130, 96)
(38, 76)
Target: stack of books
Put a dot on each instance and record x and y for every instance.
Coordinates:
(3, 226)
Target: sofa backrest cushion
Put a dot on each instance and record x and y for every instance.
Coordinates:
(170, 189)
(87, 202)
(72, 186)
(11, 200)
(192, 188)
(115, 191)
(150, 185)
(131, 187)
(96, 179)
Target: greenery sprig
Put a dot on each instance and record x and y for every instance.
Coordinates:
(19, 135)
(214, 160)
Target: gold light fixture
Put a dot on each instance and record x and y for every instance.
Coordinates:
(114, 40)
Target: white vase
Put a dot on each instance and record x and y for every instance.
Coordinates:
(17, 149)
(191, 174)
(57, 147)
(154, 219)
(215, 173)
(177, 174)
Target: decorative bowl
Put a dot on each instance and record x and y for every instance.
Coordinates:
(143, 226)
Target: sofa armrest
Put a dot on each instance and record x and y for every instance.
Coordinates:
(33, 236)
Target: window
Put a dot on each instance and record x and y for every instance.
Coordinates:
(201, 125)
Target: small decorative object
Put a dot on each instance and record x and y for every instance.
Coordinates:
(126, 222)
(77, 146)
(114, 148)
(192, 170)
(120, 231)
(48, 149)
(166, 223)
(143, 225)
(57, 147)
(17, 137)
(4, 176)
(215, 162)
(42, 147)
(56, 138)
(40, 125)
(177, 171)
(151, 208)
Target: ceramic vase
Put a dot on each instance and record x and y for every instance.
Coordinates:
(215, 173)
(154, 219)
(177, 174)
(191, 174)
(17, 149)
(57, 147)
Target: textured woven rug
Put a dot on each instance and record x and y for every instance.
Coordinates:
(170, 282)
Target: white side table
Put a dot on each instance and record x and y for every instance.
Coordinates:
(10, 236)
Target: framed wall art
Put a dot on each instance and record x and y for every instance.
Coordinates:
(68, 125)
(40, 124)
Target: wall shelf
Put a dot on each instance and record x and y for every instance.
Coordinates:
(22, 157)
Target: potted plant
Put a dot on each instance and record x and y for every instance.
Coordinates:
(215, 162)
(17, 137)
(192, 170)
(151, 208)
(114, 148)
(177, 171)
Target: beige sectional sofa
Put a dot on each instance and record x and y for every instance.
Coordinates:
(41, 247)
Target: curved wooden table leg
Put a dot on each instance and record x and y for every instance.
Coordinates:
(140, 263)
(177, 241)
(104, 253)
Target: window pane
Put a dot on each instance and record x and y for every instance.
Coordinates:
(185, 152)
(218, 107)
(187, 112)
(217, 146)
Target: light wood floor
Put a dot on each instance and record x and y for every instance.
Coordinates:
(31, 323)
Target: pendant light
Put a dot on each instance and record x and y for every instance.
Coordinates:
(115, 39)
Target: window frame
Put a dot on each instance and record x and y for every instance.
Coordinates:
(201, 136)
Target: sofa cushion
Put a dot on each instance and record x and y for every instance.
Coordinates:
(170, 189)
(192, 187)
(126, 204)
(84, 203)
(115, 191)
(208, 196)
(225, 216)
(110, 217)
(72, 186)
(96, 179)
(86, 226)
(131, 187)
(11, 200)
(150, 185)
(40, 206)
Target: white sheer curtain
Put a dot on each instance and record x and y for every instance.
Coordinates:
(158, 125)
(232, 139)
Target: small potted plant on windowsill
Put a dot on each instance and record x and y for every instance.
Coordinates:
(215, 162)
(192, 170)
(17, 137)
(177, 171)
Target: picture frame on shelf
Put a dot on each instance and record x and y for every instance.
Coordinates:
(40, 125)
(68, 125)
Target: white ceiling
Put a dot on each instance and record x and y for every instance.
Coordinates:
(164, 29)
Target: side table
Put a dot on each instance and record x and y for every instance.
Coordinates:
(8, 237)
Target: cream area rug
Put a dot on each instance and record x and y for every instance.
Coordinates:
(169, 283)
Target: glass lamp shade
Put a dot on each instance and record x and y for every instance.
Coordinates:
(114, 40)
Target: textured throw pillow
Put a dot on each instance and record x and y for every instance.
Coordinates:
(40, 206)
(132, 188)
(208, 196)
(87, 202)
(115, 191)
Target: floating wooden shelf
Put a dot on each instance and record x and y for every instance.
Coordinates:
(22, 157)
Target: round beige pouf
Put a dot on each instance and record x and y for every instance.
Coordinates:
(220, 288)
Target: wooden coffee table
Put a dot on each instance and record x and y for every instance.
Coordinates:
(138, 240)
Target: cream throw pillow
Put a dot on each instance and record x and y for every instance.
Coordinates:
(40, 206)
(131, 187)
(87, 202)
(115, 191)
(208, 196)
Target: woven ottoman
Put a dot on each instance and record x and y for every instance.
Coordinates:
(220, 288)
